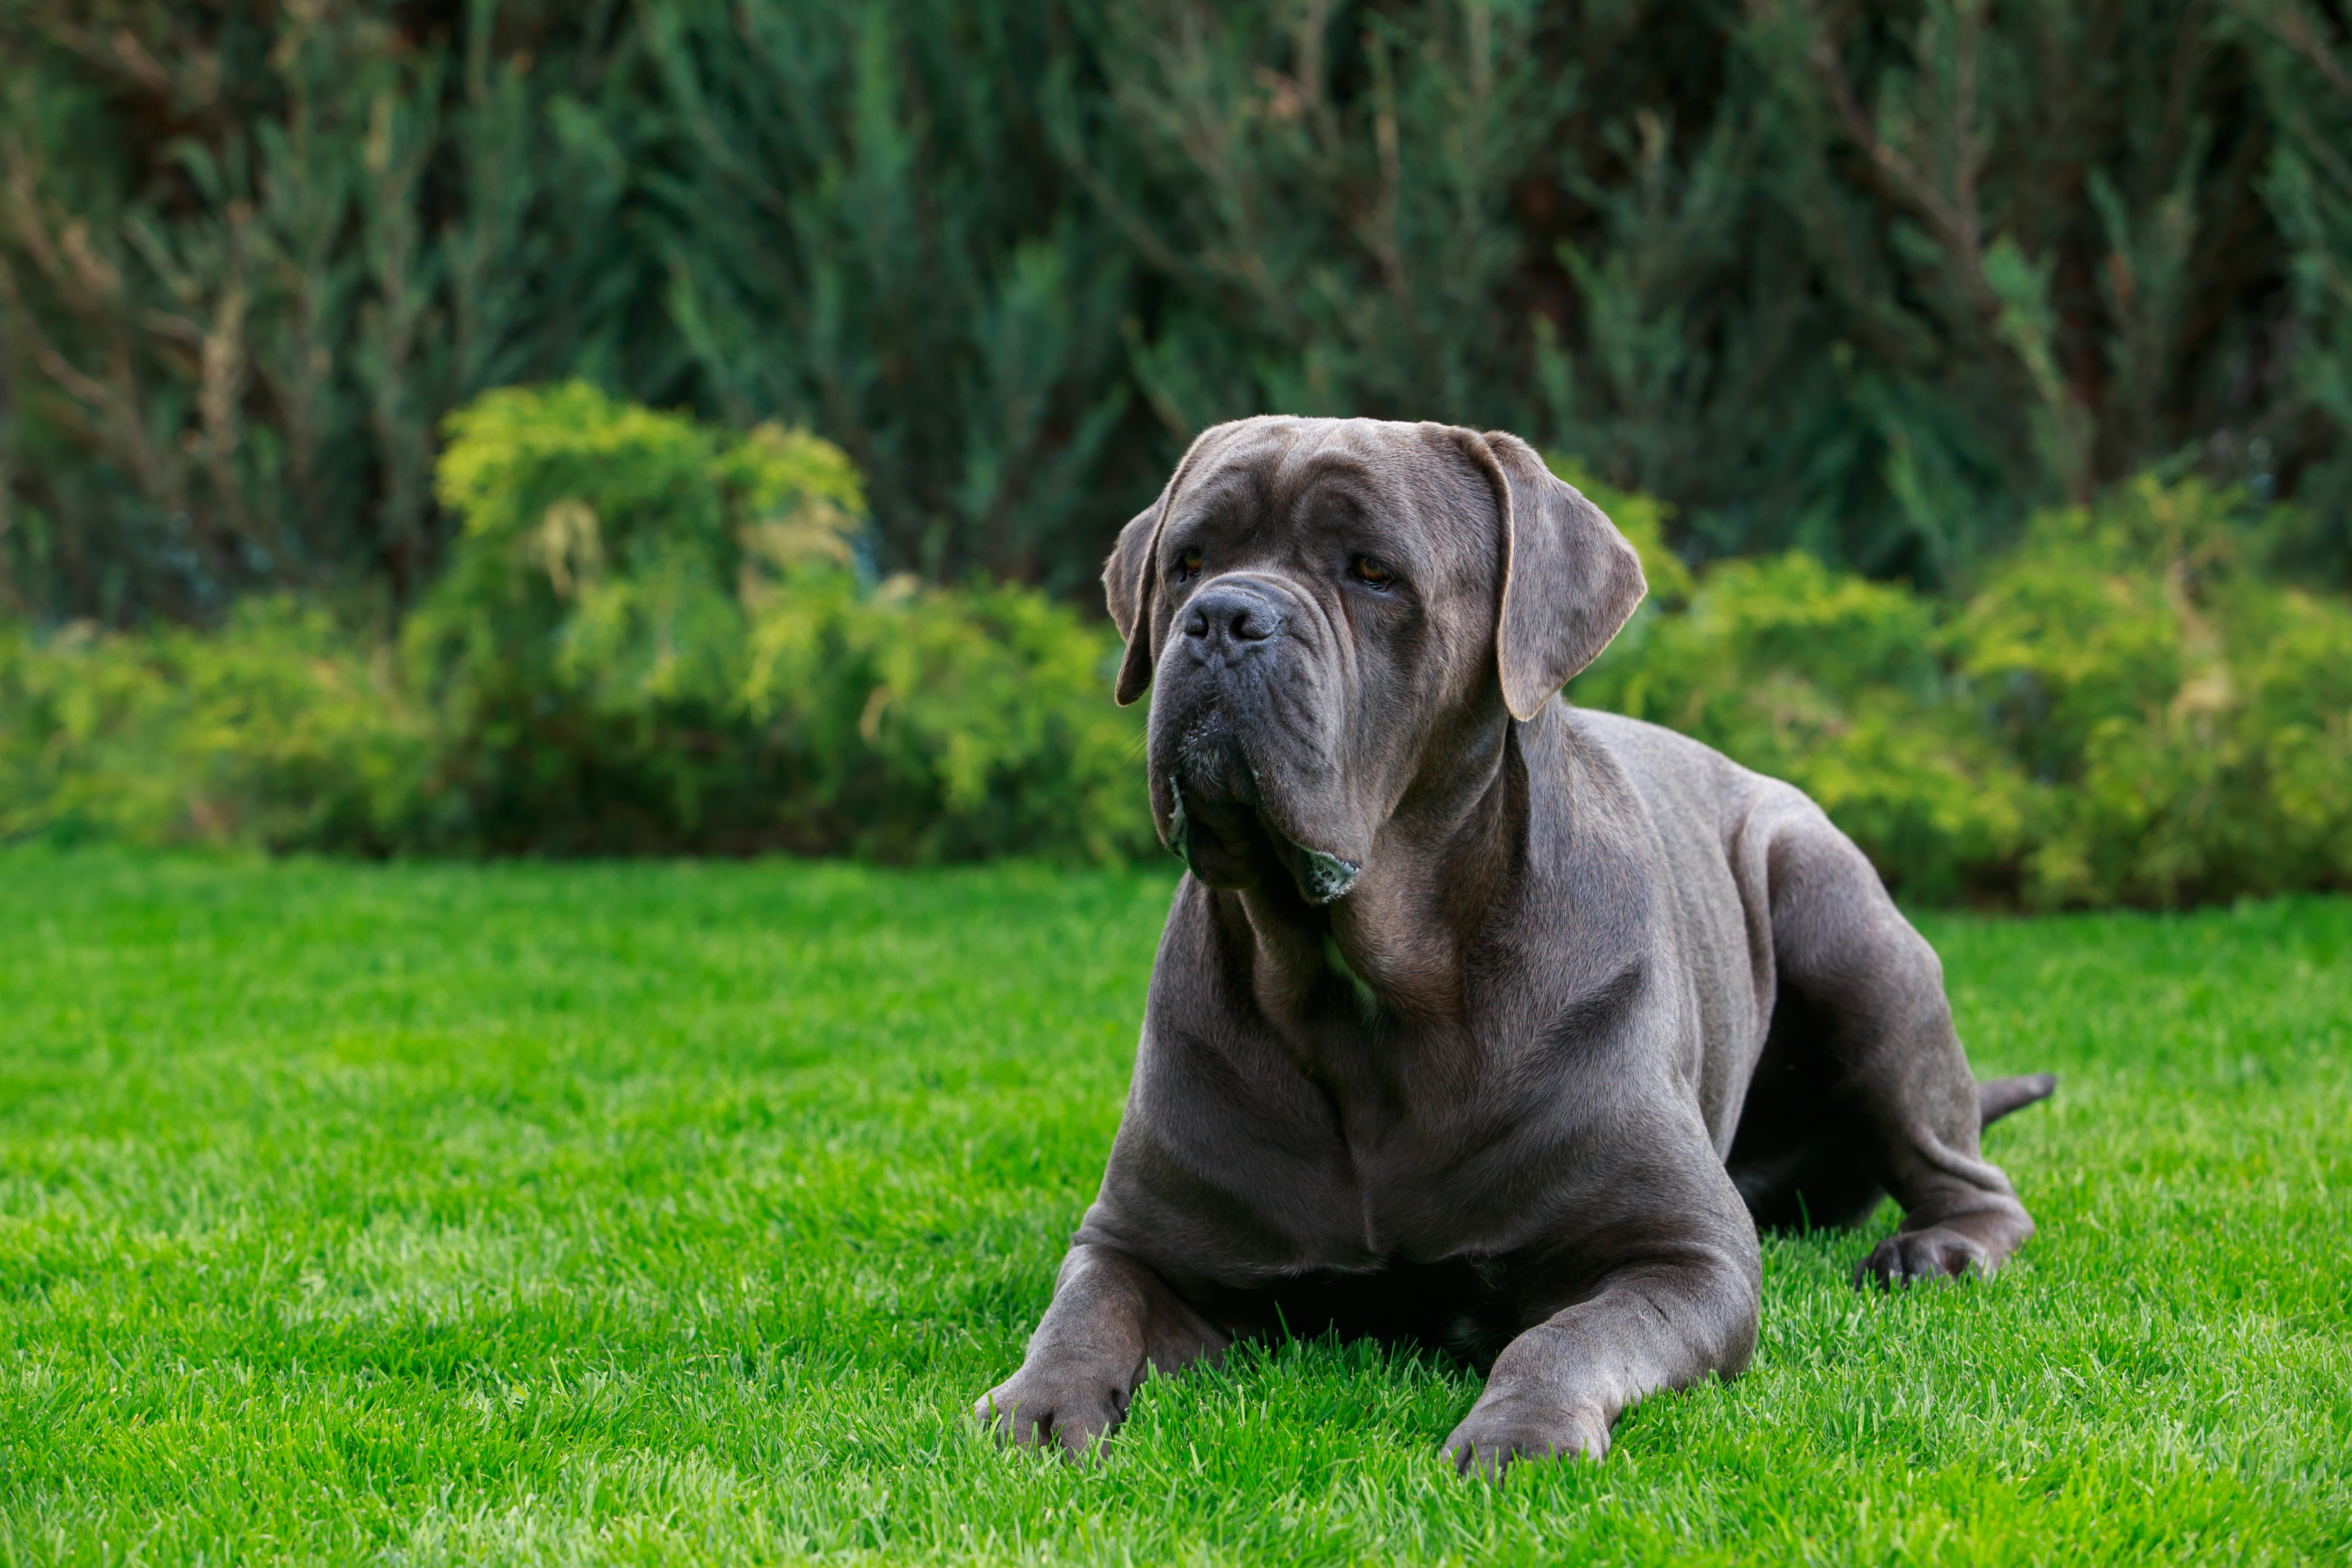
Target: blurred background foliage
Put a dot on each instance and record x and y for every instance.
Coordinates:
(2129, 708)
(1975, 378)
(651, 636)
(659, 636)
(1877, 280)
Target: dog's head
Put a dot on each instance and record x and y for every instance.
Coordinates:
(1327, 609)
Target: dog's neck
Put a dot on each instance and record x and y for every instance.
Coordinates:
(1452, 853)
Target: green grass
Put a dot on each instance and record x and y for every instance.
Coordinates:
(677, 1213)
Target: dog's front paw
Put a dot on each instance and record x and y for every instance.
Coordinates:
(1507, 1425)
(1067, 1407)
(1937, 1252)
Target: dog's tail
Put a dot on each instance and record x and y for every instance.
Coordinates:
(2002, 1095)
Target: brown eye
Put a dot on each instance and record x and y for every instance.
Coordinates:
(1372, 571)
(1188, 565)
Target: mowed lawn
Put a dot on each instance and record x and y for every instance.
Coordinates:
(676, 1213)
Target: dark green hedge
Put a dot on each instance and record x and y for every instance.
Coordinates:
(1877, 280)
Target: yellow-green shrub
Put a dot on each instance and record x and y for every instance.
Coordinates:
(651, 635)
(921, 722)
(585, 647)
(2185, 721)
(2126, 710)
(280, 731)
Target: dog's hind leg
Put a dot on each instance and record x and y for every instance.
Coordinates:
(1800, 1158)
(1896, 1074)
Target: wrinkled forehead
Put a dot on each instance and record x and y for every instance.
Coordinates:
(1413, 481)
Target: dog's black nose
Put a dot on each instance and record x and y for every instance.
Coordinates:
(1236, 613)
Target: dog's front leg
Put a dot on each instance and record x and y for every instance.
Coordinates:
(1560, 1386)
(1112, 1323)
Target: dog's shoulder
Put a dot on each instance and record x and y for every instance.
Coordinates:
(1666, 767)
(1699, 802)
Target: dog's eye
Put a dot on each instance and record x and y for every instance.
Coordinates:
(1370, 570)
(1188, 565)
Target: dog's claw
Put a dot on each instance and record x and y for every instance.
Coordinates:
(1491, 1437)
(1030, 1417)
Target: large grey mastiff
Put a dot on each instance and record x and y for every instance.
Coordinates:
(1480, 1021)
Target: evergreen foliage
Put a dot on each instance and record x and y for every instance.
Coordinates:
(1874, 280)
(2303, 54)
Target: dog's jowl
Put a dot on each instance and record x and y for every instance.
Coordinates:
(1480, 1020)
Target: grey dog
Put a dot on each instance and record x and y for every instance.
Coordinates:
(1480, 1021)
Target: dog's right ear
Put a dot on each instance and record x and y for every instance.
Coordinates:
(1129, 579)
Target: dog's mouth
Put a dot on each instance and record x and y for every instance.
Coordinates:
(1231, 843)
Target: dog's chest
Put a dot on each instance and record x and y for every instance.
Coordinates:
(1410, 1137)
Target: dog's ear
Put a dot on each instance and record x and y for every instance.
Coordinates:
(1131, 580)
(1569, 579)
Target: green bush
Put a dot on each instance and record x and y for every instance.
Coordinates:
(2186, 722)
(927, 723)
(281, 730)
(585, 648)
(655, 635)
(2126, 710)
(652, 634)
(1835, 684)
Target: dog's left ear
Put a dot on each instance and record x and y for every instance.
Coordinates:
(1569, 579)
